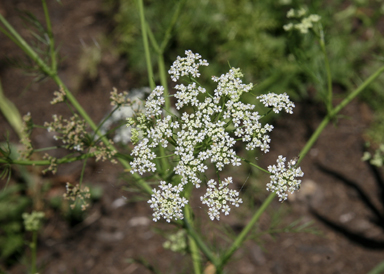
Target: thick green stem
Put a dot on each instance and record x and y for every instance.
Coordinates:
(193, 248)
(199, 242)
(144, 28)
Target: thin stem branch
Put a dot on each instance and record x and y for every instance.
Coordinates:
(33, 251)
(163, 80)
(50, 35)
(240, 239)
(328, 71)
(252, 164)
(26, 48)
(335, 111)
(146, 46)
(242, 236)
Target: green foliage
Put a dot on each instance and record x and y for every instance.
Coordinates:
(379, 269)
(251, 33)
(12, 205)
(225, 31)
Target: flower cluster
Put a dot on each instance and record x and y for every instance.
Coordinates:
(217, 199)
(125, 105)
(72, 131)
(25, 139)
(177, 242)
(77, 193)
(167, 202)
(283, 179)
(52, 164)
(306, 22)
(59, 96)
(378, 157)
(187, 65)
(118, 99)
(277, 101)
(199, 138)
(102, 152)
(32, 222)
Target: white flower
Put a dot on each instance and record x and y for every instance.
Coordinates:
(187, 66)
(167, 203)
(205, 131)
(283, 180)
(154, 102)
(288, 27)
(296, 13)
(277, 101)
(306, 22)
(218, 198)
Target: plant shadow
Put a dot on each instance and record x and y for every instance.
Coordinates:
(377, 214)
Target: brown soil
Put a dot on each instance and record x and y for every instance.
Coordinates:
(340, 193)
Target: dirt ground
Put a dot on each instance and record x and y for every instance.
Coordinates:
(340, 193)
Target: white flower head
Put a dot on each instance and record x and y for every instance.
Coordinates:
(292, 13)
(277, 101)
(204, 132)
(187, 65)
(219, 198)
(306, 22)
(283, 179)
(155, 101)
(167, 203)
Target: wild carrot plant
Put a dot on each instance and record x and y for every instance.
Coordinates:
(186, 146)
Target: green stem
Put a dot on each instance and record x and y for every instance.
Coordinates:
(167, 35)
(102, 123)
(335, 111)
(165, 156)
(11, 37)
(241, 238)
(26, 48)
(44, 68)
(44, 162)
(144, 27)
(45, 149)
(146, 47)
(163, 80)
(82, 172)
(50, 35)
(105, 140)
(195, 253)
(33, 246)
(328, 70)
(199, 242)
(252, 164)
(152, 39)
